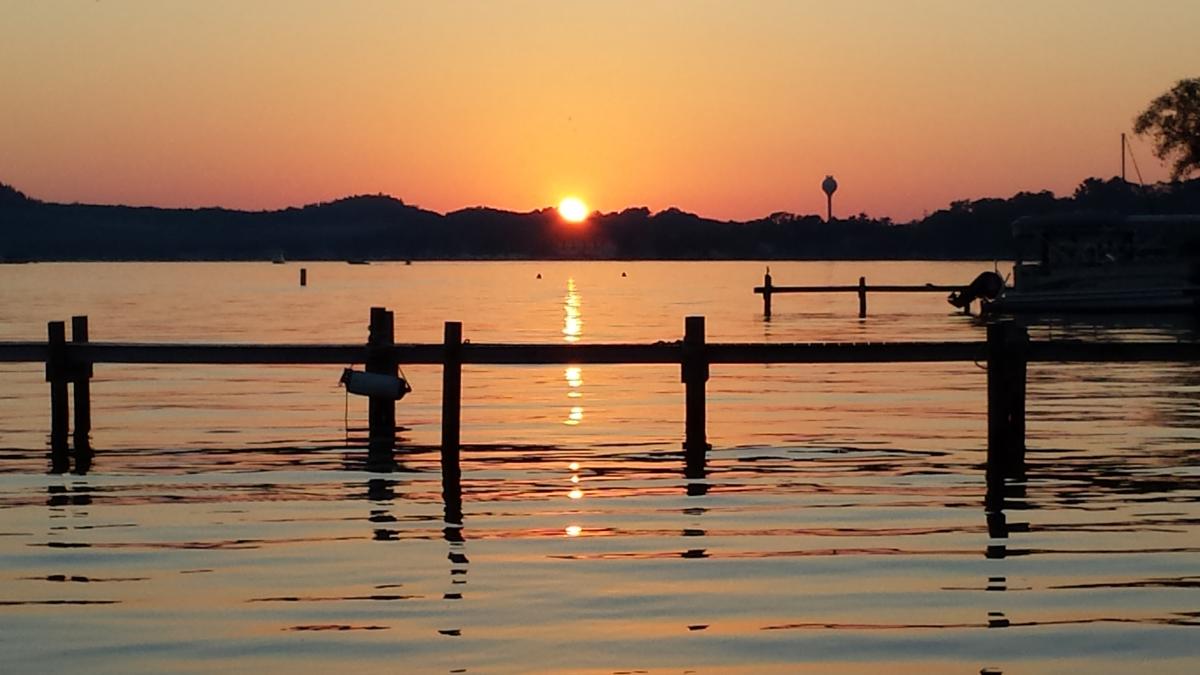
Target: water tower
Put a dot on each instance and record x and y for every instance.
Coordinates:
(829, 185)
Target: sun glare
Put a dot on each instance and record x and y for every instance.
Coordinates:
(573, 210)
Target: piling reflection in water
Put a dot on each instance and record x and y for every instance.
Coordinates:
(1005, 490)
(381, 492)
(456, 542)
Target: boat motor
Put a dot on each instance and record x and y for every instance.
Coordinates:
(987, 286)
(377, 385)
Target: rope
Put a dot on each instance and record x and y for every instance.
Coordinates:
(1129, 149)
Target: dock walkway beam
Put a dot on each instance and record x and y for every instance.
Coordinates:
(1007, 351)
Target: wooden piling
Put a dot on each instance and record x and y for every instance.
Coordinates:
(381, 412)
(694, 374)
(303, 276)
(1006, 374)
(1017, 378)
(997, 401)
(862, 297)
(56, 375)
(451, 411)
(767, 295)
(81, 376)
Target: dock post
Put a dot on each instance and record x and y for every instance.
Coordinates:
(451, 416)
(303, 276)
(1018, 370)
(81, 383)
(1007, 358)
(862, 297)
(767, 294)
(56, 375)
(381, 412)
(694, 373)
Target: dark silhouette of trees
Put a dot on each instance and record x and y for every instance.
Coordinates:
(378, 227)
(1173, 121)
(10, 196)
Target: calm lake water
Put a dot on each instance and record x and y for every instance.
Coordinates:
(843, 525)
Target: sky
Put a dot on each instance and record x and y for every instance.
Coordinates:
(732, 110)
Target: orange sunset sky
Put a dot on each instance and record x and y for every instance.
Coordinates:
(728, 109)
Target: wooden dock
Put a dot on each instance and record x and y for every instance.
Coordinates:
(1006, 351)
(768, 289)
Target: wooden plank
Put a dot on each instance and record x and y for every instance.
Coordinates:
(23, 352)
(886, 288)
(1095, 352)
(848, 352)
(555, 354)
(101, 352)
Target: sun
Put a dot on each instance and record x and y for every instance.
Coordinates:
(573, 210)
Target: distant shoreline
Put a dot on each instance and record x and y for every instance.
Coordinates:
(378, 228)
(415, 261)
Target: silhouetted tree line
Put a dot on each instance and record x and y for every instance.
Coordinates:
(384, 228)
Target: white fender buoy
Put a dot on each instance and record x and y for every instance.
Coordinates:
(378, 385)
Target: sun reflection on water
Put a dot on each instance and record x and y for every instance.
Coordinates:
(575, 416)
(572, 332)
(576, 492)
(573, 321)
(574, 376)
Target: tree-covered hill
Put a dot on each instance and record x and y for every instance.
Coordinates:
(381, 228)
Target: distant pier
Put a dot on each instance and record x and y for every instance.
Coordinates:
(768, 289)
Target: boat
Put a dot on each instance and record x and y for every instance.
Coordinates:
(1103, 263)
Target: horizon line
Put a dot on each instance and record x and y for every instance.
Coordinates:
(551, 207)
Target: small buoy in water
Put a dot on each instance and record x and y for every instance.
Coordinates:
(623, 274)
(539, 275)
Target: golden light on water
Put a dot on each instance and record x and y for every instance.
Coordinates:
(576, 492)
(572, 329)
(572, 332)
(575, 416)
(573, 530)
(574, 376)
(573, 316)
(573, 210)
